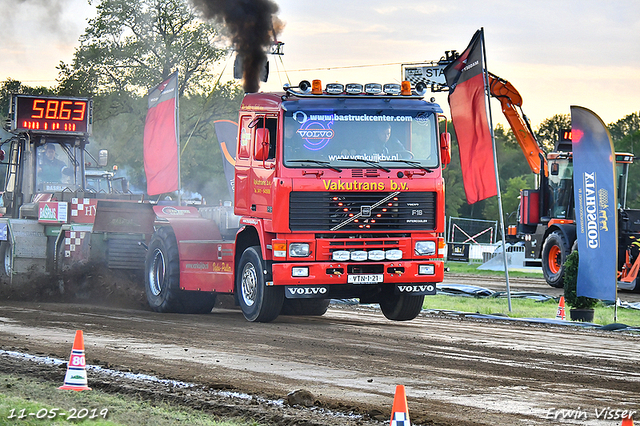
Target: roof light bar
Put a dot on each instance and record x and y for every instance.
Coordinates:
(372, 89)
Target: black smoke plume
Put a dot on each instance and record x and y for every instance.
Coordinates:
(253, 26)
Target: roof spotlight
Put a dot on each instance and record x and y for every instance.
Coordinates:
(421, 88)
(304, 86)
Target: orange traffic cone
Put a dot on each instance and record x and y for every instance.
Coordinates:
(76, 377)
(400, 411)
(627, 421)
(560, 313)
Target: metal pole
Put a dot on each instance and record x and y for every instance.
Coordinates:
(495, 164)
(177, 114)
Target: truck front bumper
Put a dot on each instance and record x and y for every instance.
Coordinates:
(352, 279)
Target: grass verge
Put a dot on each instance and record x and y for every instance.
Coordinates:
(524, 308)
(95, 408)
(472, 268)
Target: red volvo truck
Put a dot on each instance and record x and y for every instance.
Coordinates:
(338, 193)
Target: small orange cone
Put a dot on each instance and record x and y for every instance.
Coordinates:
(627, 421)
(400, 411)
(76, 377)
(560, 313)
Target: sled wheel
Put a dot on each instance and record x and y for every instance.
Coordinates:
(259, 302)
(401, 307)
(162, 279)
(554, 253)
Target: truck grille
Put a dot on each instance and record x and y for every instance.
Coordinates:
(336, 211)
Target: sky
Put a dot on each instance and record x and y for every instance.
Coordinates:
(557, 53)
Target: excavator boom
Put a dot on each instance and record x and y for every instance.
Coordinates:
(510, 99)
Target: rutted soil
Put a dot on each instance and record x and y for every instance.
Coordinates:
(456, 370)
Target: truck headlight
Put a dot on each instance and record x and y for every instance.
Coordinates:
(425, 248)
(299, 250)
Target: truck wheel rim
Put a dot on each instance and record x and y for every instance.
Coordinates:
(156, 273)
(249, 284)
(7, 261)
(554, 260)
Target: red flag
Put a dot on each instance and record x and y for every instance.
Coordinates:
(465, 78)
(161, 157)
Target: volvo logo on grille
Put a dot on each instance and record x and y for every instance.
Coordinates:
(365, 211)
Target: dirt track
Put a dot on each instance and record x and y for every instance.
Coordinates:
(456, 371)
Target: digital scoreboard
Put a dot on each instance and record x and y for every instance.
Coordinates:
(46, 114)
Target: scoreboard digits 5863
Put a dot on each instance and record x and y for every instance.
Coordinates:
(51, 114)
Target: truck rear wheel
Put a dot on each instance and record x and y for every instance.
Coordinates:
(258, 302)
(310, 307)
(162, 279)
(554, 253)
(401, 307)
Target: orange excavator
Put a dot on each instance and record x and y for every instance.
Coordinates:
(509, 99)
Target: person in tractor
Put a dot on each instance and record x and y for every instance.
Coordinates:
(50, 168)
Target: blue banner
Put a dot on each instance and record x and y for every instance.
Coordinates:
(594, 187)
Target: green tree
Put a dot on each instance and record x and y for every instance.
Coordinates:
(622, 128)
(130, 46)
(201, 159)
(549, 130)
(127, 49)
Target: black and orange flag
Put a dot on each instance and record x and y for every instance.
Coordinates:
(467, 99)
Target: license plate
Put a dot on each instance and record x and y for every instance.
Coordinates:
(365, 279)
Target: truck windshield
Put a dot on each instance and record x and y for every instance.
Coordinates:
(361, 138)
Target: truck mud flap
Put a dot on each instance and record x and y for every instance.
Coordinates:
(416, 289)
(124, 217)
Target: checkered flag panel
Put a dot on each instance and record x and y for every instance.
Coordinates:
(400, 419)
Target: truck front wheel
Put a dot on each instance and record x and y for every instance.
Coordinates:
(162, 279)
(554, 253)
(258, 302)
(401, 307)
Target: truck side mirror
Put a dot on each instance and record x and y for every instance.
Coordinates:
(103, 157)
(445, 148)
(555, 169)
(261, 147)
(125, 185)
